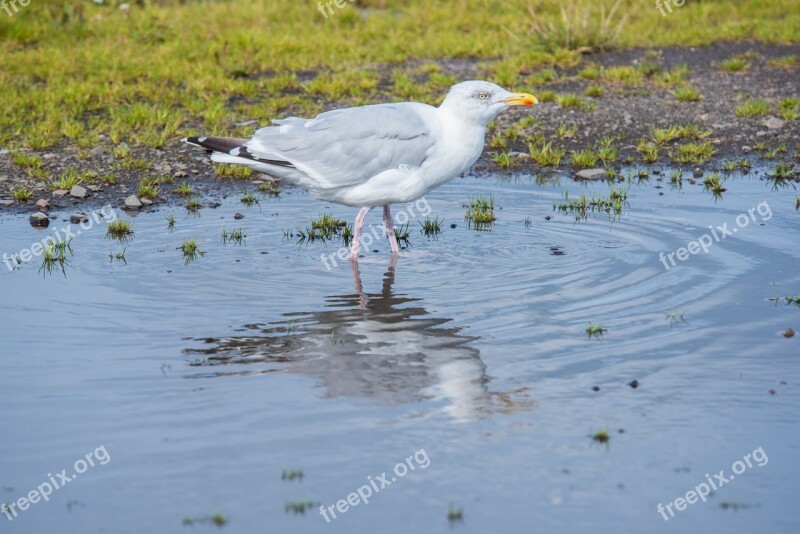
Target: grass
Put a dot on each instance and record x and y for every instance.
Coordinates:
(648, 151)
(68, 180)
(687, 94)
(291, 474)
(504, 159)
(581, 207)
(183, 190)
(480, 211)
(573, 101)
(601, 436)
(784, 62)
(545, 154)
(170, 222)
(692, 153)
(714, 183)
(735, 64)
(55, 255)
(193, 205)
(190, 250)
(454, 515)
(121, 230)
(752, 108)
(237, 172)
(235, 236)
(797, 203)
(567, 131)
(22, 193)
(584, 159)
(216, 519)
(300, 507)
(594, 91)
(249, 199)
(328, 223)
(269, 188)
(789, 109)
(431, 227)
(148, 188)
(148, 75)
(595, 330)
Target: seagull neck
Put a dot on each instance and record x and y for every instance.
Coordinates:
(455, 121)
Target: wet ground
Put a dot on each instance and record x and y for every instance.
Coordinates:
(194, 385)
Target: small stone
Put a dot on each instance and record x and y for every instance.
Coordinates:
(180, 174)
(39, 219)
(78, 191)
(60, 192)
(692, 181)
(43, 204)
(697, 172)
(133, 202)
(6, 202)
(591, 174)
(747, 149)
(96, 152)
(595, 388)
(238, 216)
(78, 217)
(774, 123)
(547, 217)
(214, 205)
(95, 188)
(788, 333)
(634, 384)
(520, 155)
(146, 201)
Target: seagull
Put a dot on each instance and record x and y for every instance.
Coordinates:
(374, 155)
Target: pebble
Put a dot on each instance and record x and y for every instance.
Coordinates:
(238, 216)
(96, 152)
(6, 202)
(60, 192)
(133, 202)
(39, 219)
(214, 205)
(697, 172)
(788, 333)
(78, 191)
(95, 188)
(180, 174)
(146, 201)
(774, 123)
(747, 149)
(43, 204)
(634, 384)
(591, 174)
(78, 217)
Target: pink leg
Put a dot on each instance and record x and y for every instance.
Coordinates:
(358, 228)
(388, 223)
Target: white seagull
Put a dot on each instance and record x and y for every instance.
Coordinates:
(375, 155)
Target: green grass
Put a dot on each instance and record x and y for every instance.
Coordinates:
(291, 474)
(150, 74)
(789, 109)
(22, 193)
(545, 154)
(183, 190)
(300, 507)
(270, 188)
(752, 108)
(601, 436)
(692, 153)
(328, 223)
(193, 205)
(784, 62)
(480, 211)
(594, 91)
(504, 159)
(248, 199)
(148, 188)
(454, 515)
(714, 183)
(573, 101)
(613, 204)
(584, 159)
(648, 151)
(235, 236)
(55, 256)
(121, 230)
(687, 94)
(735, 64)
(233, 171)
(431, 227)
(595, 330)
(190, 250)
(170, 222)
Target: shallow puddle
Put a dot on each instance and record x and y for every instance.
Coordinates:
(205, 380)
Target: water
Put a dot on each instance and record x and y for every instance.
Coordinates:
(204, 381)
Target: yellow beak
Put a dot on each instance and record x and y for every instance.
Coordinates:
(521, 99)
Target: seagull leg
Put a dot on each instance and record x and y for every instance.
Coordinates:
(388, 223)
(358, 228)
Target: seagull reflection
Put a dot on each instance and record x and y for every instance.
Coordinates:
(383, 345)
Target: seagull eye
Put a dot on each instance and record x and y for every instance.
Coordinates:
(483, 96)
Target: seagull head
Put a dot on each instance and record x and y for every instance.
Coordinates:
(483, 101)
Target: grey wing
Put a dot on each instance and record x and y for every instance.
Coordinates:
(346, 147)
